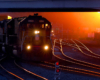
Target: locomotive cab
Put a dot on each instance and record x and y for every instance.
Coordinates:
(35, 39)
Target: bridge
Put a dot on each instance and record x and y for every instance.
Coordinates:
(49, 5)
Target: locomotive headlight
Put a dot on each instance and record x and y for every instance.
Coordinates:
(28, 47)
(36, 32)
(46, 47)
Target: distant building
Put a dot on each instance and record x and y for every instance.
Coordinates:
(97, 36)
(90, 35)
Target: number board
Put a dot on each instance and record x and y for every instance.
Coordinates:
(37, 37)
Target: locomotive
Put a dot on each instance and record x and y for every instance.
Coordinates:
(27, 38)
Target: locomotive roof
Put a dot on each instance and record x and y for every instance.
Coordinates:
(18, 19)
(3, 21)
(35, 18)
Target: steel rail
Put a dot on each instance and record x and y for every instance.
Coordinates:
(73, 68)
(85, 53)
(82, 64)
(88, 49)
(84, 71)
(9, 71)
(73, 45)
(78, 60)
(30, 71)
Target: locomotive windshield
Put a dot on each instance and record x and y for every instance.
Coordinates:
(29, 28)
(36, 26)
(36, 34)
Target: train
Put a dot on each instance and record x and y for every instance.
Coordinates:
(26, 38)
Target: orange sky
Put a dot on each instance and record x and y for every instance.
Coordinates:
(72, 20)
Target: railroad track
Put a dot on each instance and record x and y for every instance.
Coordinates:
(71, 69)
(9, 71)
(91, 52)
(51, 65)
(67, 68)
(78, 62)
(71, 45)
(76, 46)
(82, 46)
(13, 68)
(84, 50)
(93, 56)
(34, 74)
